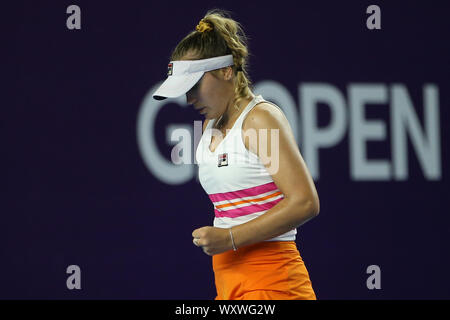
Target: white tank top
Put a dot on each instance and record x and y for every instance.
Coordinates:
(237, 183)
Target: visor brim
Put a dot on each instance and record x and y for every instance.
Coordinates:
(175, 86)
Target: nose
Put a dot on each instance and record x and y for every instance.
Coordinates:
(190, 98)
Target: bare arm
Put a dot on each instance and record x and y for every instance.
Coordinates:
(301, 201)
(285, 164)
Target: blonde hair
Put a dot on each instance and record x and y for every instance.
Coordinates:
(217, 35)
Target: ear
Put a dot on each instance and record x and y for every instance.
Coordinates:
(227, 73)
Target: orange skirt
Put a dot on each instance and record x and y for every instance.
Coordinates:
(269, 270)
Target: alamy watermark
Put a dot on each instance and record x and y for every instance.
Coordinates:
(374, 280)
(374, 20)
(74, 280)
(263, 146)
(74, 20)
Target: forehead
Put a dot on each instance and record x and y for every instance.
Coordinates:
(190, 55)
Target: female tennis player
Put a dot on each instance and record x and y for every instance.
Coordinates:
(258, 183)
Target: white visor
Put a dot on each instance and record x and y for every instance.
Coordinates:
(184, 74)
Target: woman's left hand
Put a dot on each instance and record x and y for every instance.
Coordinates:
(212, 240)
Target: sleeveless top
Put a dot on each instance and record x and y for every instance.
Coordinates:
(236, 181)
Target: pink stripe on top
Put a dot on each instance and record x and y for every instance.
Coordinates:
(248, 206)
(250, 192)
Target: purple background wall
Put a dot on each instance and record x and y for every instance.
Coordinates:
(76, 191)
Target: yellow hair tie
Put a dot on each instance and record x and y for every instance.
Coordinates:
(203, 26)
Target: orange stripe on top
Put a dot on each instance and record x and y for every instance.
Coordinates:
(247, 201)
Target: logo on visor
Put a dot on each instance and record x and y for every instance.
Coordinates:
(223, 160)
(170, 69)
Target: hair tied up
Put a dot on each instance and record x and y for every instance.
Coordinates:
(203, 26)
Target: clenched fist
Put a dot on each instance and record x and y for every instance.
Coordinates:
(212, 240)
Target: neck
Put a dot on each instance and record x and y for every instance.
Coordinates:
(228, 114)
(231, 112)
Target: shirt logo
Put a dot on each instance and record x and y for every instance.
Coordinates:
(170, 69)
(223, 160)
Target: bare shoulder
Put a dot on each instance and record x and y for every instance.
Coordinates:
(265, 116)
